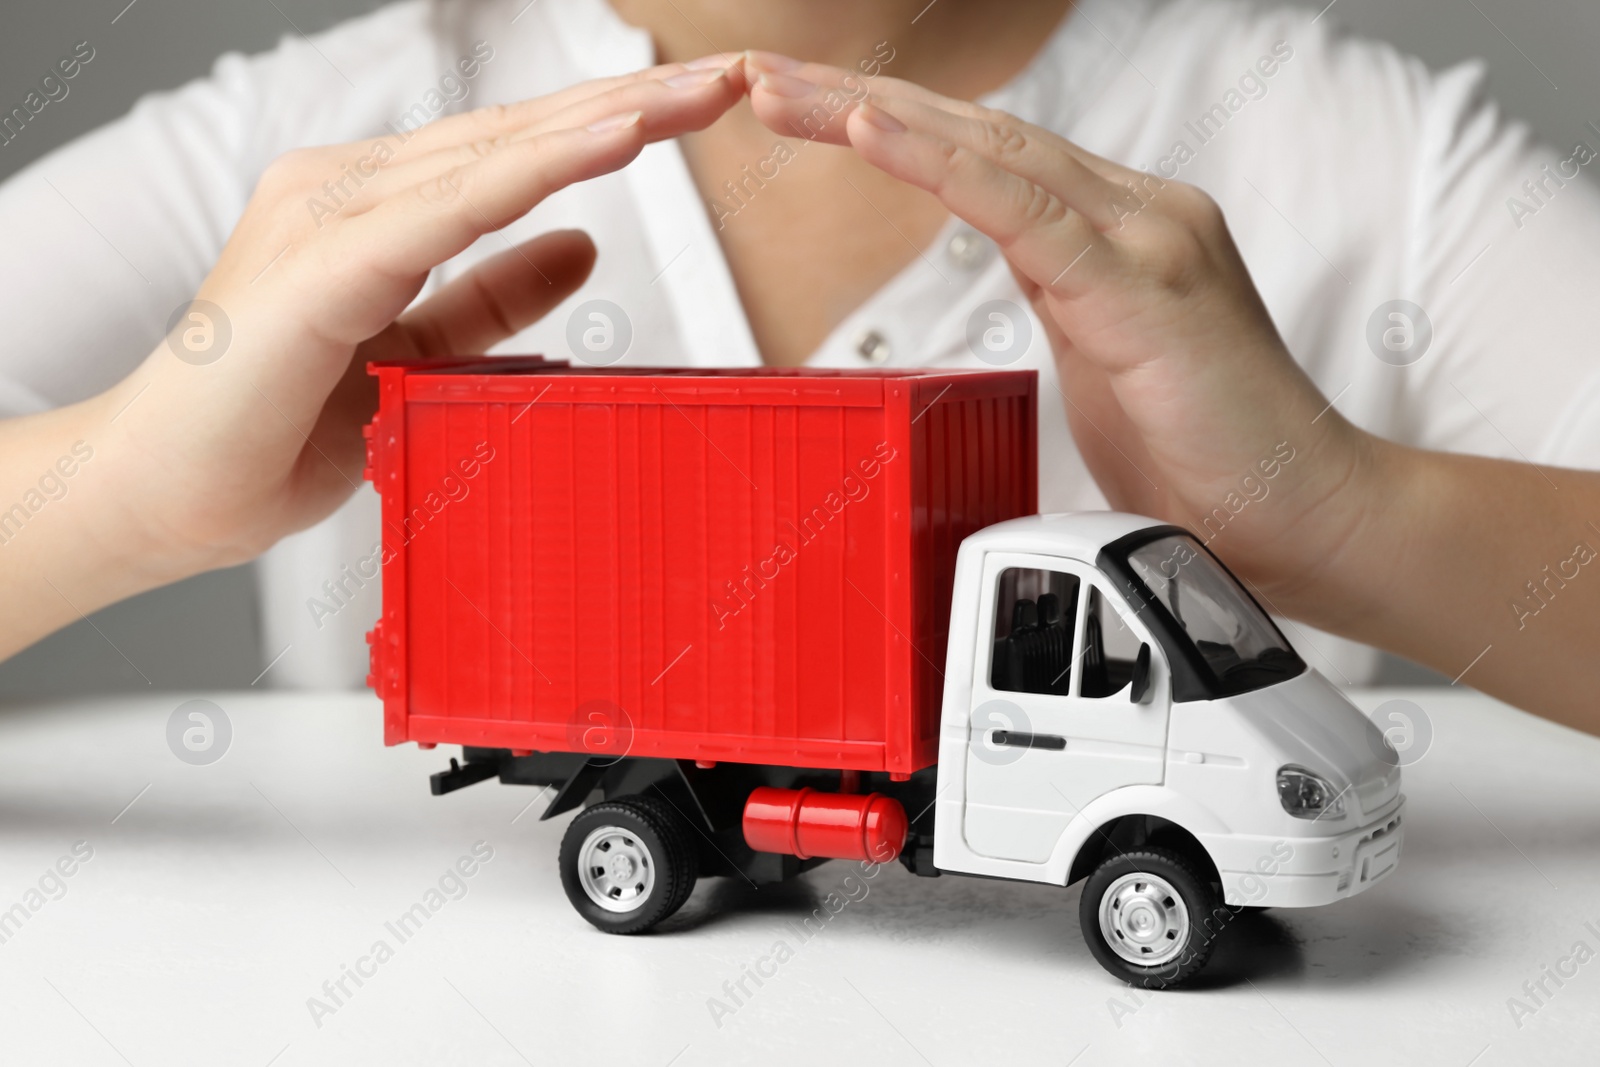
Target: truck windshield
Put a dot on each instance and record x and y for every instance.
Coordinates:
(1241, 646)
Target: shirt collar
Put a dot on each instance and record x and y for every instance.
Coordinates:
(921, 310)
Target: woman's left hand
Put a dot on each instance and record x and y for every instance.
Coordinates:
(1176, 383)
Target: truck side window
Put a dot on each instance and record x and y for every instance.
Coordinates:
(1109, 649)
(1034, 616)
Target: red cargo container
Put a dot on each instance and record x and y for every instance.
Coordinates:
(750, 566)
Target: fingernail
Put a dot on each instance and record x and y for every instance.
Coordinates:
(880, 118)
(616, 122)
(693, 79)
(718, 60)
(771, 61)
(784, 85)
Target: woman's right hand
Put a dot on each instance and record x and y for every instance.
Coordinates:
(244, 425)
(227, 453)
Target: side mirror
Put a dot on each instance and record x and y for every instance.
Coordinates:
(1139, 688)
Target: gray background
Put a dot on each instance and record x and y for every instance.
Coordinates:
(203, 633)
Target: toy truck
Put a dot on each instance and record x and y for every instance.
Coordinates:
(751, 620)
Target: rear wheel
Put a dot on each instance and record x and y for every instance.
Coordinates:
(1150, 918)
(627, 864)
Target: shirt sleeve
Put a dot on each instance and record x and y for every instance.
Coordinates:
(106, 237)
(1504, 247)
(109, 234)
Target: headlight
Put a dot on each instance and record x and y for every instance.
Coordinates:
(1308, 796)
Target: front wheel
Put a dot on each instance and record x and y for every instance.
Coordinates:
(627, 864)
(1150, 918)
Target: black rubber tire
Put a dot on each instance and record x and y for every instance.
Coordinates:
(692, 851)
(1207, 916)
(662, 833)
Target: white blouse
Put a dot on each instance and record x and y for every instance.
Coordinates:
(1351, 177)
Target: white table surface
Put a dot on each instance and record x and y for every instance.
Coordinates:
(217, 903)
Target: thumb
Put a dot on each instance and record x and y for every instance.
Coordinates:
(500, 296)
(494, 300)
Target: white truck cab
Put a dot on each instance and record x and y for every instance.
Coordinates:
(1118, 708)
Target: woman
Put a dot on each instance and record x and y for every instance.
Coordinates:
(1353, 180)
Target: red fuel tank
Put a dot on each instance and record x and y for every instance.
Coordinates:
(841, 826)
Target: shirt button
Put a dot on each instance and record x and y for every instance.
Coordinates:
(874, 347)
(968, 249)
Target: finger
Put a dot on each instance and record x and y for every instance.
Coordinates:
(784, 99)
(413, 231)
(796, 107)
(445, 212)
(687, 101)
(1039, 232)
(813, 100)
(671, 105)
(499, 297)
(487, 123)
(496, 299)
(1025, 150)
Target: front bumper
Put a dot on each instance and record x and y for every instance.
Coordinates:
(1305, 872)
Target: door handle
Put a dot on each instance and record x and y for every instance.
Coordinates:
(1018, 739)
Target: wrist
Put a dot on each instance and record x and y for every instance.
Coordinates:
(1330, 563)
(120, 525)
(66, 547)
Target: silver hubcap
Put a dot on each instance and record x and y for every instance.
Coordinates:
(615, 869)
(1143, 919)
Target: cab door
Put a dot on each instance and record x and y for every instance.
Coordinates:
(1053, 724)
